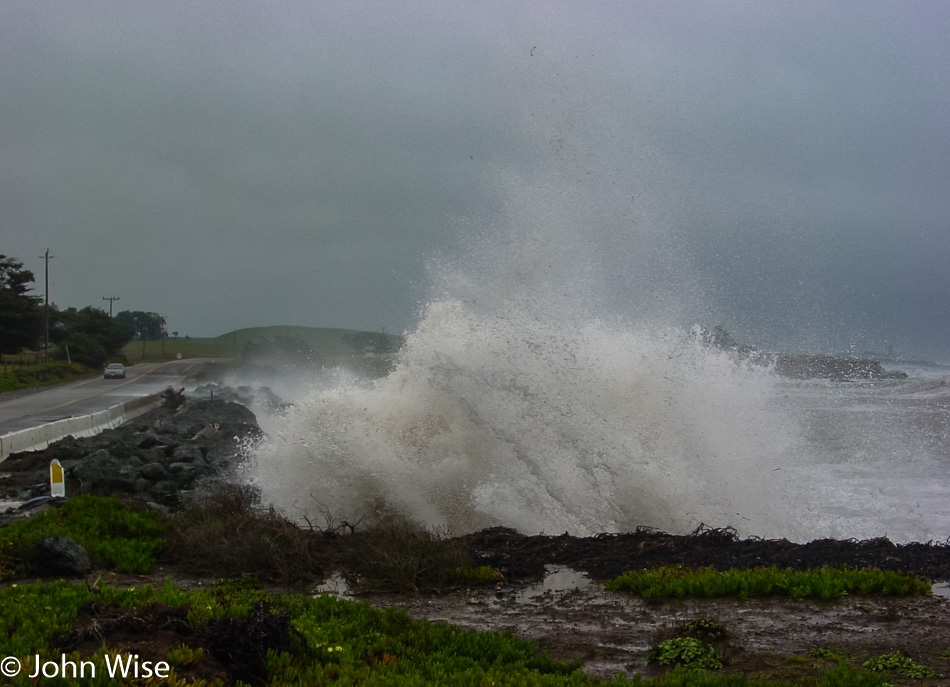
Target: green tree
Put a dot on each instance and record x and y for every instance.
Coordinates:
(146, 325)
(21, 316)
(91, 335)
(80, 347)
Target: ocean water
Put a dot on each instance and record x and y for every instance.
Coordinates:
(505, 418)
(878, 455)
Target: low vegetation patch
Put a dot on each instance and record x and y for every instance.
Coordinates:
(825, 654)
(690, 645)
(689, 652)
(226, 534)
(237, 634)
(43, 374)
(824, 583)
(234, 632)
(114, 536)
(898, 663)
(476, 576)
(397, 556)
(244, 634)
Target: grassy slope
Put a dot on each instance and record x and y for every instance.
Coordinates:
(42, 374)
(326, 342)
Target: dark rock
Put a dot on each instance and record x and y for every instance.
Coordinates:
(200, 414)
(836, 368)
(164, 487)
(188, 453)
(149, 440)
(166, 428)
(102, 472)
(186, 473)
(156, 454)
(60, 556)
(153, 472)
(831, 367)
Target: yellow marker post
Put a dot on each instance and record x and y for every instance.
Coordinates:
(57, 482)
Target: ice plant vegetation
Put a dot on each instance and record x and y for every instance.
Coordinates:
(323, 640)
(114, 536)
(824, 583)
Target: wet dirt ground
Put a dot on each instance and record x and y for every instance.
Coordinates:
(553, 593)
(573, 618)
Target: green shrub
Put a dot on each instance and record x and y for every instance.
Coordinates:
(689, 652)
(898, 663)
(482, 575)
(113, 535)
(825, 583)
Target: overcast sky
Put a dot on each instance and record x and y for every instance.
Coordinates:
(780, 168)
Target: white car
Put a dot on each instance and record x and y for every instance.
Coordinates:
(114, 371)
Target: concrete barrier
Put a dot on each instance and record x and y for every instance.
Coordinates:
(139, 406)
(38, 438)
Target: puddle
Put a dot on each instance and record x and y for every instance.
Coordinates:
(941, 589)
(335, 585)
(556, 579)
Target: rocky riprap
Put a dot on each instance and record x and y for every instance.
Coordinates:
(603, 556)
(838, 369)
(159, 457)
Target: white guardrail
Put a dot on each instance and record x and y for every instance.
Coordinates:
(36, 438)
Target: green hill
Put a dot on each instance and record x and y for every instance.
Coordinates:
(326, 342)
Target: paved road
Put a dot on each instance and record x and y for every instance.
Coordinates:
(91, 395)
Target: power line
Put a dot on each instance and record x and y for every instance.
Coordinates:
(46, 256)
(110, 299)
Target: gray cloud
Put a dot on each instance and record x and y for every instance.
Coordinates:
(779, 169)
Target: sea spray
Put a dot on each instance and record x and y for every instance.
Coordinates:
(552, 382)
(510, 419)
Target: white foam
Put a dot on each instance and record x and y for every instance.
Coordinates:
(508, 419)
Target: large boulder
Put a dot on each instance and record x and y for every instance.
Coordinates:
(55, 556)
(102, 472)
(188, 453)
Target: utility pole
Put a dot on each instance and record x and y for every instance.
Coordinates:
(110, 299)
(46, 256)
